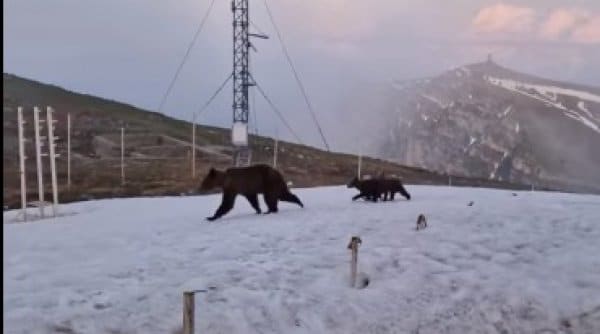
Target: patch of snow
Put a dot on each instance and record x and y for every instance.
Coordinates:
(519, 263)
(547, 90)
(517, 87)
(582, 107)
(507, 111)
(434, 100)
(424, 117)
(517, 127)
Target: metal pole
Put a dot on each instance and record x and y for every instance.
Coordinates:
(194, 147)
(52, 151)
(22, 162)
(241, 77)
(68, 150)
(38, 158)
(122, 156)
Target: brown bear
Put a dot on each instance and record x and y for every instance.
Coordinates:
(390, 186)
(249, 182)
(370, 189)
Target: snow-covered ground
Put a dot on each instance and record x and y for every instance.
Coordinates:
(507, 264)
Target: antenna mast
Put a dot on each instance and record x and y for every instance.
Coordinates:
(241, 81)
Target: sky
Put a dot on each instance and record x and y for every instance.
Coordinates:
(344, 51)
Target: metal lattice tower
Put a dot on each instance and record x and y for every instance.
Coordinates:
(241, 81)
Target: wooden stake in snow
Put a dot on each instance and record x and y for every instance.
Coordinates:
(188, 312)
(353, 246)
(421, 222)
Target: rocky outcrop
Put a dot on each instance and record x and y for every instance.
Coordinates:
(483, 120)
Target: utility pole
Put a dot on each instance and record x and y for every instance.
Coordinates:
(241, 81)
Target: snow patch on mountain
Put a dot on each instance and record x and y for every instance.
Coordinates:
(542, 95)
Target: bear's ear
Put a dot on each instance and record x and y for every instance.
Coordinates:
(212, 171)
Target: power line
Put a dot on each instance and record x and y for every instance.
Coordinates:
(201, 110)
(277, 112)
(185, 57)
(289, 60)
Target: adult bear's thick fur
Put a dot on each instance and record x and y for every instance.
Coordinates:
(249, 182)
(372, 189)
(369, 189)
(391, 186)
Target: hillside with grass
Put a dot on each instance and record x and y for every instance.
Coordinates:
(158, 151)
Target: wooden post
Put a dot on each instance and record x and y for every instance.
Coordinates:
(122, 156)
(353, 246)
(68, 150)
(22, 162)
(38, 158)
(52, 153)
(188, 312)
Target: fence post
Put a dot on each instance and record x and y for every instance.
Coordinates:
(69, 151)
(38, 158)
(188, 312)
(52, 152)
(122, 157)
(353, 246)
(22, 162)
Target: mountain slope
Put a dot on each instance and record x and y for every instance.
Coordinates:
(483, 120)
(157, 150)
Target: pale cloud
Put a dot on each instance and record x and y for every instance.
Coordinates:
(516, 23)
(588, 33)
(504, 18)
(561, 22)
